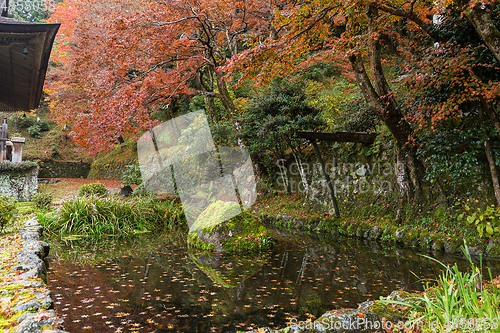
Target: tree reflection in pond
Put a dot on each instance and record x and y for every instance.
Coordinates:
(154, 283)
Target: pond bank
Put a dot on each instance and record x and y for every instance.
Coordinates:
(26, 305)
(370, 316)
(406, 236)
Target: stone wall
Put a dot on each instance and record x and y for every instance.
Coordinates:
(19, 183)
(110, 170)
(63, 169)
(358, 174)
(363, 177)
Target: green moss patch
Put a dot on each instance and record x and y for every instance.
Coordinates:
(242, 233)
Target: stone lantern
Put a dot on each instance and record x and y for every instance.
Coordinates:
(17, 149)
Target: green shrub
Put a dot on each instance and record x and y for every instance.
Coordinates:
(487, 221)
(132, 175)
(42, 200)
(140, 191)
(21, 121)
(95, 189)
(7, 209)
(92, 216)
(35, 131)
(54, 151)
(44, 125)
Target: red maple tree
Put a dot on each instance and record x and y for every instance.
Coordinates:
(120, 60)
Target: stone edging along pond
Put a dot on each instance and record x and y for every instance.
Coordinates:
(370, 316)
(404, 236)
(31, 301)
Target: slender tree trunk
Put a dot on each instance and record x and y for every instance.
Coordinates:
(209, 103)
(493, 170)
(479, 14)
(491, 161)
(297, 159)
(228, 105)
(402, 179)
(224, 93)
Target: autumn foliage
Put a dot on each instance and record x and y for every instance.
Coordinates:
(421, 67)
(118, 61)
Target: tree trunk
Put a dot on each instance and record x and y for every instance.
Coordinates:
(228, 105)
(402, 179)
(393, 119)
(493, 170)
(209, 103)
(491, 161)
(479, 14)
(299, 164)
(382, 103)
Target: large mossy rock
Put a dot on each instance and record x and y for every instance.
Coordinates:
(216, 213)
(216, 230)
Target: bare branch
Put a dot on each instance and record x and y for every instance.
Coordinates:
(398, 11)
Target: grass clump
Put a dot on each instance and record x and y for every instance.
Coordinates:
(460, 301)
(97, 216)
(95, 189)
(7, 210)
(42, 200)
(132, 175)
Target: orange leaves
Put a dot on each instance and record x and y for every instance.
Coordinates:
(120, 59)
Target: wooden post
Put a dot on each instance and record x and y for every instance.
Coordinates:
(3, 140)
(327, 177)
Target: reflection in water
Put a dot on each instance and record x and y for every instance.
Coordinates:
(149, 284)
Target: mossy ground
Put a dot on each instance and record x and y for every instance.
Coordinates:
(11, 292)
(112, 164)
(286, 204)
(53, 144)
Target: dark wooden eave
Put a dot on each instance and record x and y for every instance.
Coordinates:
(24, 57)
(367, 138)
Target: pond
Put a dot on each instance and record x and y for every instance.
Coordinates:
(153, 283)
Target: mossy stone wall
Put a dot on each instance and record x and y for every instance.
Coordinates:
(19, 180)
(63, 169)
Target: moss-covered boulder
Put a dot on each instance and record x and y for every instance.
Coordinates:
(348, 320)
(242, 233)
(214, 214)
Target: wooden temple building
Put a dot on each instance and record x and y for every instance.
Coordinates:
(24, 57)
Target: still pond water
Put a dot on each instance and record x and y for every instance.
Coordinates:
(153, 283)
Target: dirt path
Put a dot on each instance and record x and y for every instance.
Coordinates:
(68, 187)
